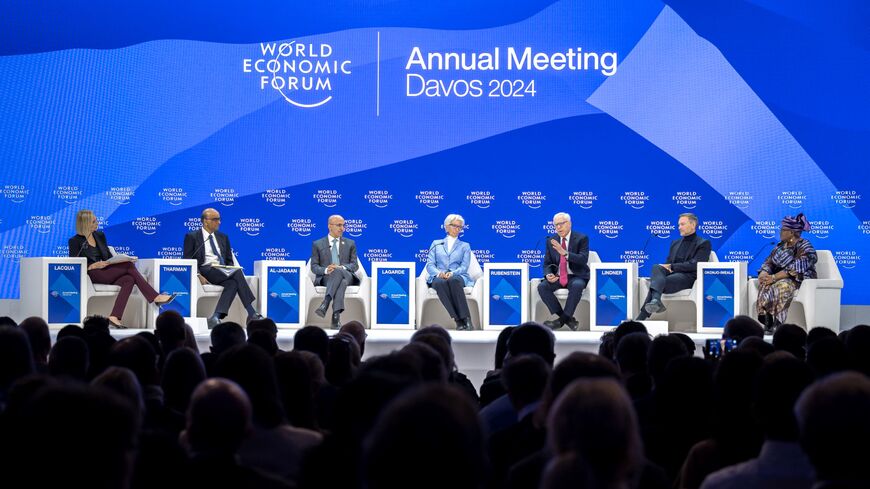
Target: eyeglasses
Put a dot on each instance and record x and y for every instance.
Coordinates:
(560, 224)
(457, 226)
(212, 218)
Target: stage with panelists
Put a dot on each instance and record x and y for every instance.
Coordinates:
(279, 234)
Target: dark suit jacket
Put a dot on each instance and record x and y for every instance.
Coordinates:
(578, 255)
(194, 247)
(77, 242)
(321, 257)
(698, 250)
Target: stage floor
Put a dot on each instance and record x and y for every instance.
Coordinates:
(474, 350)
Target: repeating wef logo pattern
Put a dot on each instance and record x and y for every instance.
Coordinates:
(224, 196)
(277, 197)
(275, 254)
(121, 195)
(713, 229)
(302, 73)
(422, 255)
(15, 193)
(430, 198)
(147, 225)
(378, 255)
(302, 226)
(864, 227)
(192, 224)
(688, 200)
(41, 224)
(355, 227)
(170, 252)
(484, 256)
(634, 256)
(68, 193)
(549, 228)
(532, 200)
(327, 197)
(661, 229)
(172, 195)
(766, 229)
(404, 227)
(795, 199)
(846, 198)
(252, 226)
(740, 199)
(482, 199)
(821, 229)
(534, 257)
(609, 229)
(635, 200)
(583, 199)
(14, 252)
(506, 228)
(847, 259)
(378, 198)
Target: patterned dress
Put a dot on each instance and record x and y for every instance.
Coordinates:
(800, 263)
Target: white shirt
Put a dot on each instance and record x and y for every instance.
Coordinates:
(210, 257)
(449, 242)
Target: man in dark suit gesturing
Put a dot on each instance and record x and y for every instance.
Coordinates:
(333, 261)
(680, 269)
(211, 250)
(565, 267)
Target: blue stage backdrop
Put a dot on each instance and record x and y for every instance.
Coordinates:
(395, 114)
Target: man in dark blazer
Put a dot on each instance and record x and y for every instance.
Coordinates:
(565, 267)
(211, 248)
(333, 261)
(680, 269)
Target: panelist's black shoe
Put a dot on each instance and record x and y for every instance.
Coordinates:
(572, 323)
(655, 306)
(321, 311)
(213, 321)
(464, 324)
(336, 320)
(554, 323)
(254, 317)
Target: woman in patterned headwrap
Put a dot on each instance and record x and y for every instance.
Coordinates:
(792, 261)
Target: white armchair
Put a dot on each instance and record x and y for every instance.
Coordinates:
(100, 298)
(356, 299)
(208, 295)
(817, 302)
(681, 314)
(539, 312)
(429, 309)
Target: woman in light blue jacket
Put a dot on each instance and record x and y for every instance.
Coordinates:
(447, 266)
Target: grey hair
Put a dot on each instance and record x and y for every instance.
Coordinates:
(690, 216)
(334, 216)
(564, 214)
(451, 218)
(205, 212)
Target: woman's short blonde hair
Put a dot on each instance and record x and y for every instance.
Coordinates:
(84, 218)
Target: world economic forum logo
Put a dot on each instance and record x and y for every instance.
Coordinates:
(609, 228)
(326, 197)
(846, 198)
(430, 198)
(252, 226)
(496, 297)
(660, 229)
(302, 226)
(602, 297)
(68, 193)
(689, 200)
(821, 229)
(713, 229)
(303, 73)
(275, 253)
(532, 199)
(480, 198)
(147, 225)
(740, 199)
(277, 197)
(13, 252)
(404, 227)
(847, 259)
(15, 193)
(173, 196)
(379, 198)
(355, 227)
(225, 196)
(767, 229)
(121, 195)
(583, 199)
(534, 257)
(506, 228)
(41, 224)
(635, 200)
(795, 199)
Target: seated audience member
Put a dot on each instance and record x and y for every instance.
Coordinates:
(741, 327)
(313, 339)
(69, 358)
(223, 337)
(827, 356)
(791, 338)
(37, 333)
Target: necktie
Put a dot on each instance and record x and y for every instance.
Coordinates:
(335, 252)
(214, 249)
(563, 267)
